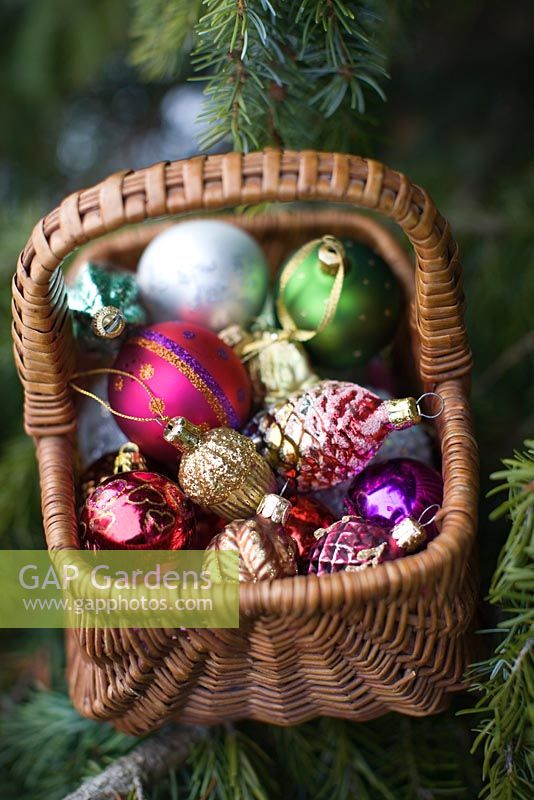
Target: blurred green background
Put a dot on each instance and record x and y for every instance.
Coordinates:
(458, 120)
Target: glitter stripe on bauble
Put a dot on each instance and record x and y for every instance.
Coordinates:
(172, 353)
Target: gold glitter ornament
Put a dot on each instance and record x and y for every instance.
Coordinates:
(220, 468)
(277, 366)
(265, 550)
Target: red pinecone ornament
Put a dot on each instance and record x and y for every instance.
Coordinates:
(328, 433)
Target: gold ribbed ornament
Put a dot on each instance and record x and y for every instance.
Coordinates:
(265, 550)
(277, 366)
(220, 468)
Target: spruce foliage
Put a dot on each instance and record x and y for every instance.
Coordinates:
(275, 70)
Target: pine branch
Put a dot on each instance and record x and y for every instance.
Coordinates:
(149, 762)
(426, 758)
(163, 34)
(276, 71)
(45, 744)
(228, 764)
(239, 53)
(339, 54)
(506, 680)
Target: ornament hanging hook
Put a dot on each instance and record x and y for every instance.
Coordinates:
(434, 507)
(430, 394)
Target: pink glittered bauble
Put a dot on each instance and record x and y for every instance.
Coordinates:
(190, 370)
(137, 511)
(351, 544)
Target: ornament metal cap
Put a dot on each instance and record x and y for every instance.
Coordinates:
(183, 434)
(402, 413)
(129, 459)
(108, 322)
(409, 534)
(331, 255)
(234, 336)
(275, 508)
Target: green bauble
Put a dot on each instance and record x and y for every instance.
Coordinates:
(101, 288)
(367, 312)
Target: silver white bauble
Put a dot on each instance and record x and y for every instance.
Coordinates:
(98, 433)
(203, 271)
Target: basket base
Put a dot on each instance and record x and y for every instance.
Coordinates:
(282, 672)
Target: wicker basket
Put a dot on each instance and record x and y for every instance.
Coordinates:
(352, 645)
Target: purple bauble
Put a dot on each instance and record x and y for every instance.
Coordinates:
(388, 492)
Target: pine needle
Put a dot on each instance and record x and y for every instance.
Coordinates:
(45, 745)
(505, 682)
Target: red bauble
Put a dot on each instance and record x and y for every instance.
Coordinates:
(305, 516)
(352, 544)
(137, 511)
(190, 371)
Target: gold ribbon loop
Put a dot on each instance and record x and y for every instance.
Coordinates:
(334, 261)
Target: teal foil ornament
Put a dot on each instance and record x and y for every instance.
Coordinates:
(104, 302)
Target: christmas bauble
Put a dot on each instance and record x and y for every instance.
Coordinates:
(103, 300)
(277, 367)
(137, 511)
(351, 544)
(388, 492)
(203, 271)
(220, 469)
(127, 458)
(328, 433)
(97, 429)
(265, 550)
(368, 309)
(305, 516)
(191, 372)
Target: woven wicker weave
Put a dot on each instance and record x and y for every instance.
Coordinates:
(348, 645)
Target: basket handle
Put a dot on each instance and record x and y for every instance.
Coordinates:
(42, 334)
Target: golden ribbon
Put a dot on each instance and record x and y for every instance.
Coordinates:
(156, 403)
(334, 261)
